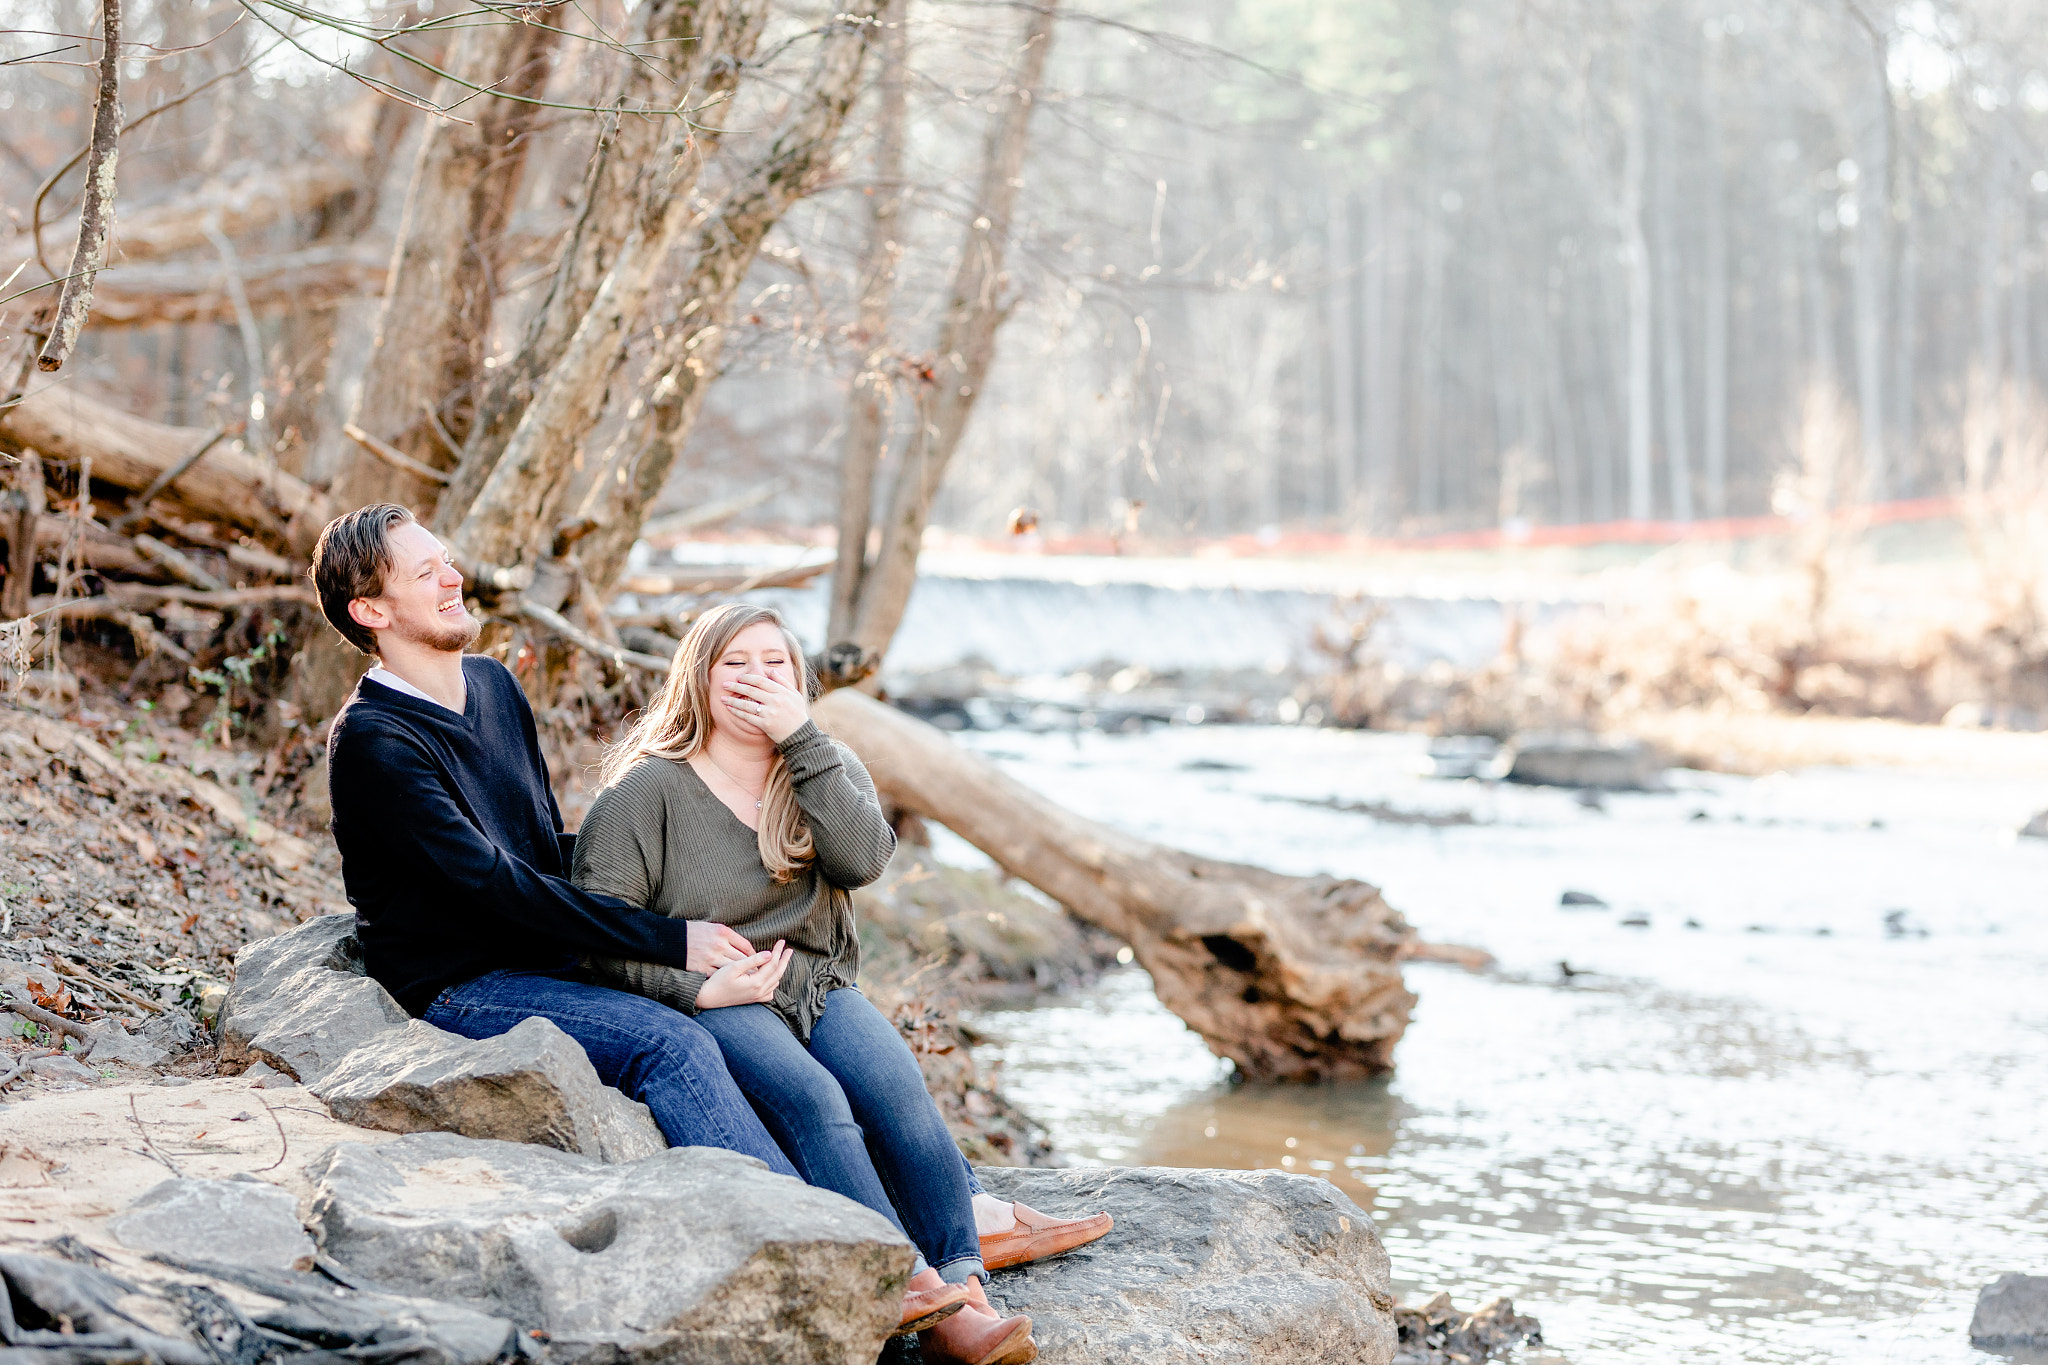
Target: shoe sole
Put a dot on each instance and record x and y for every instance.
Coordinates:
(931, 1319)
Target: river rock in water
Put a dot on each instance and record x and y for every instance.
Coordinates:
(1436, 1333)
(1570, 759)
(2012, 1312)
(1202, 1266)
(693, 1254)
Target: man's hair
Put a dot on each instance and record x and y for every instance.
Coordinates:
(349, 561)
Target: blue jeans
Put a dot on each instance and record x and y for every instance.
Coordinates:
(653, 1054)
(852, 1109)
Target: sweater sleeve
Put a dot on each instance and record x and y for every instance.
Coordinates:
(848, 829)
(384, 782)
(621, 850)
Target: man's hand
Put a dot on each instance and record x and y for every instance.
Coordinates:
(714, 945)
(758, 702)
(749, 981)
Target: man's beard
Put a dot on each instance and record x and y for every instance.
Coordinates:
(450, 639)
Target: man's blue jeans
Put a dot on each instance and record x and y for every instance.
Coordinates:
(655, 1055)
(852, 1109)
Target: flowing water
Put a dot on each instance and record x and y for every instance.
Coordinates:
(1799, 1115)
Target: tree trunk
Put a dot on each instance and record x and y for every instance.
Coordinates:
(1636, 263)
(420, 387)
(1671, 330)
(1292, 978)
(974, 310)
(686, 42)
(1714, 305)
(521, 494)
(867, 405)
(673, 384)
(1342, 262)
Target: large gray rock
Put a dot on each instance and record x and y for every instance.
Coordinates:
(1202, 1266)
(301, 1002)
(239, 1222)
(2012, 1313)
(693, 1254)
(533, 1084)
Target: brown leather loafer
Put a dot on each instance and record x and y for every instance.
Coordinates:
(924, 1308)
(1037, 1236)
(978, 1337)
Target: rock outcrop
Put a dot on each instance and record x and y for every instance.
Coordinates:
(302, 1005)
(2012, 1314)
(533, 1084)
(238, 1222)
(693, 1254)
(1213, 1267)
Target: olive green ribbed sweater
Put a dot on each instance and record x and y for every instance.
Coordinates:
(662, 840)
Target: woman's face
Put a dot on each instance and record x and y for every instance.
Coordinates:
(760, 650)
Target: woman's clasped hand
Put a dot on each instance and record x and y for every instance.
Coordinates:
(749, 980)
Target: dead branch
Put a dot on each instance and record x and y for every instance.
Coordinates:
(96, 216)
(163, 481)
(395, 457)
(56, 1023)
(178, 564)
(619, 657)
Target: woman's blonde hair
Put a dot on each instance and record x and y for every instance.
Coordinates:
(677, 725)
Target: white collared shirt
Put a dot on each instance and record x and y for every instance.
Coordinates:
(381, 674)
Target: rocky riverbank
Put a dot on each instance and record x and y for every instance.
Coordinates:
(487, 1201)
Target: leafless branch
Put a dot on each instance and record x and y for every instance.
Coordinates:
(96, 216)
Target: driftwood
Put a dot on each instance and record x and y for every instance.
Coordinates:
(1292, 978)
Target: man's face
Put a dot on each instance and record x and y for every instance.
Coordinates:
(422, 598)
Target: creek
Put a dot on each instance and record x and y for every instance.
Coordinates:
(1782, 1098)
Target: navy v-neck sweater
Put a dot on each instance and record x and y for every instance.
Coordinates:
(452, 849)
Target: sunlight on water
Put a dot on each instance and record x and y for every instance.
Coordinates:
(1793, 1133)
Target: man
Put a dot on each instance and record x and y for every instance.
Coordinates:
(453, 854)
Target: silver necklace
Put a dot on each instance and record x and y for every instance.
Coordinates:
(730, 778)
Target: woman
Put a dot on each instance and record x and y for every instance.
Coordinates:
(725, 802)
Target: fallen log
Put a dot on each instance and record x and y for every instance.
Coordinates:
(198, 291)
(699, 581)
(1292, 978)
(234, 209)
(229, 485)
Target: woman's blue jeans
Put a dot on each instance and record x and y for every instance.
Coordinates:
(853, 1111)
(655, 1055)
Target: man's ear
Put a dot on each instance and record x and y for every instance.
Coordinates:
(369, 613)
